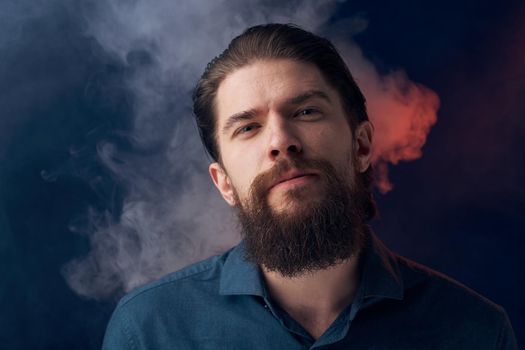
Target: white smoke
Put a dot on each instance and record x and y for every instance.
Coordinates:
(172, 215)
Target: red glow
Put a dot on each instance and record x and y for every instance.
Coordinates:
(401, 111)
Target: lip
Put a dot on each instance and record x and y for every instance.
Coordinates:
(287, 177)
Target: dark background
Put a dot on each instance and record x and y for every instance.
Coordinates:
(458, 209)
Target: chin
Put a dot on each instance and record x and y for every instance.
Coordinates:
(294, 202)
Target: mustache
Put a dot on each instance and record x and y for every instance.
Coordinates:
(263, 181)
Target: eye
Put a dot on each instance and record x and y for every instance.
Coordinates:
(307, 112)
(245, 129)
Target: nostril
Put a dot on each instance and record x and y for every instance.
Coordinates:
(293, 149)
(275, 153)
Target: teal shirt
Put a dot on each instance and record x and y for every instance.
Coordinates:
(222, 303)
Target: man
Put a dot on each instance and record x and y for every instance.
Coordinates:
(287, 127)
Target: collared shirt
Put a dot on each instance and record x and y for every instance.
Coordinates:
(223, 303)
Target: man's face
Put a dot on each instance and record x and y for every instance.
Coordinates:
(272, 111)
(289, 165)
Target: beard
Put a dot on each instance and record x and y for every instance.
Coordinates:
(308, 234)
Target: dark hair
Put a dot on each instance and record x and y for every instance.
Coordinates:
(276, 41)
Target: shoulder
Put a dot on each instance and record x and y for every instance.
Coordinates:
(142, 315)
(174, 291)
(183, 283)
(434, 284)
(444, 298)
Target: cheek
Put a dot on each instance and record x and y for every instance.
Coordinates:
(240, 173)
(243, 163)
(334, 146)
(329, 143)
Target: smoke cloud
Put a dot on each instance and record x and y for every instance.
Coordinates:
(402, 112)
(171, 214)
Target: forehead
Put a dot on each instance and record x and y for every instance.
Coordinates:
(266, 84)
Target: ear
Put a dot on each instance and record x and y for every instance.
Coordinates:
(364, 137)
(222, 182)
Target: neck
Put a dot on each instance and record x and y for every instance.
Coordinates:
(323, 291)
(315, 299)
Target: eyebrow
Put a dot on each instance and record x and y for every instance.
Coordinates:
(237, 117)
(296, 100)
(307, 95)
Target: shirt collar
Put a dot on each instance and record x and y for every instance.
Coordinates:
(240, 276)
(380, 272)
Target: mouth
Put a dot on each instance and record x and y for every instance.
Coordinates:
(293, 179)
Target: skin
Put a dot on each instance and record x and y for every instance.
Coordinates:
(316, 128)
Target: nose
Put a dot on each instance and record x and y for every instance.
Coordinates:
(283, 142)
